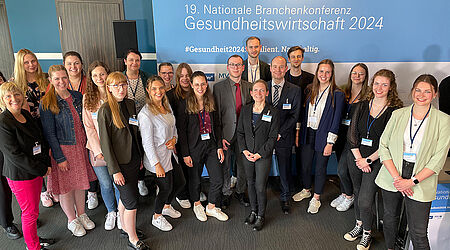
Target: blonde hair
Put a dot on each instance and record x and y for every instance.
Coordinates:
(20, 76)
(115, 77)
(151, 105)
(8, 87)
(49, 101)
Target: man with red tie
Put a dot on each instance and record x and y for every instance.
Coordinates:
(230, 95)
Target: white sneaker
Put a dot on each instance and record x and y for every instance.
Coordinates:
(184, 203)
(233, 181)
(314, 206)
(161, 223)
(199, 212)
(217, 213)
(46, 199)
(86, 222)
(92, 200)
(338, 200)
(171, 212)
(110, 221)
(202, 197)
(301, 195)
(345, 205)
(143, 190)
(76, 228)
(119, 223)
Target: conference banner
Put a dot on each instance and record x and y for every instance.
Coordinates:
(408, 37)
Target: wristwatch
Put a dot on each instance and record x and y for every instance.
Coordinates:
(415, 180)
(369, 161)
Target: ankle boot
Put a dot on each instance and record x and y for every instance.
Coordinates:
(259, 223)
(250, 220)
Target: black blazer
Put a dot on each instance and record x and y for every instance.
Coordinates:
(264, 70)
(116, 143)
(17, 142)
(260, 139)
(288, 117)
(189, 129)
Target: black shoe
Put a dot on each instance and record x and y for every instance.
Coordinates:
(259, 223)
(285, 207)
(226, 200)
(12, 232)
(140, 245)
(242, 199)
(250, 220)
(46, 242)
(139, 234)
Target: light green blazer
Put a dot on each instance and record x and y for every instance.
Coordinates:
(432, 153)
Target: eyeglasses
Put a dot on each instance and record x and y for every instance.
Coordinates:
(358, 73)
(196, 85)
(166, 73)
(116, 86)
(235, 65)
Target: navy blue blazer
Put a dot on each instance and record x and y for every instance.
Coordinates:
(329, 122)
(290, 94)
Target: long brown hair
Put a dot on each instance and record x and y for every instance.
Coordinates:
(192, 105)
(313, 89)
(179, 92)
(392, 98)
(20, 76)
(365, 85)
(115, 77)
(148, 99)
(49, 101)
(92, 95)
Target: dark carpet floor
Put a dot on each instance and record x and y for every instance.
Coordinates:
(298, 230)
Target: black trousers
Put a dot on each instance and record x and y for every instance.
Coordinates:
(344, 172)
(417, 215)
(169, 186)
(284, 158)
(6, 214)
(257, 174)
(205, 152)
(364, 189)
(183, 194)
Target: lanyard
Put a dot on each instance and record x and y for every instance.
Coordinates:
(135, 89)
(318, 99)
(368, 117)
(251, 72)
(202, 115)
(79, 86)
(349, 106)
(410, 125)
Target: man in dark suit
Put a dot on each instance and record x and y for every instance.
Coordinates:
(286, 97)
(230, 95)
(254, 68)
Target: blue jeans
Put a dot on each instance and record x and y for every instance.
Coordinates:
(106, 188)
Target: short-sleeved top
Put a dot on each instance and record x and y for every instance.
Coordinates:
(358, 128)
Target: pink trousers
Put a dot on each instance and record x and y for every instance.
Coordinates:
(27, 194)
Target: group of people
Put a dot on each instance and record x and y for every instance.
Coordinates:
(78, 129)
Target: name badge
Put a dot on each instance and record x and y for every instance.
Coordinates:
(94, 115)
(366, 142)
(133, 121)
(312, 119)
(409, 157)
(267, 118)
(286, 106)
(37, 149)
(205, 136)
(346, 122)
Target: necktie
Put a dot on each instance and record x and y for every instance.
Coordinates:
(238, 99)
(276, 95)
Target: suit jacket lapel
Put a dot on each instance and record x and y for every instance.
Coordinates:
(269, 97)
(260, 121)
(284, 93)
